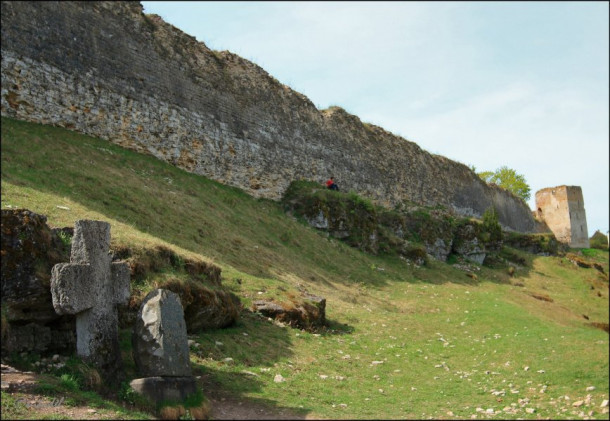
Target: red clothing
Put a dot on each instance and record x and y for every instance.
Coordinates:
(329, 183)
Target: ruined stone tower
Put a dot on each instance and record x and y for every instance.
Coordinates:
(563, 210)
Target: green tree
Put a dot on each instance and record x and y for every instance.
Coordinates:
(508, 179)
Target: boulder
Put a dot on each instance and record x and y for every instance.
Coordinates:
(308, 312)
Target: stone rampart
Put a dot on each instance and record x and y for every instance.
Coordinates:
(107, 70)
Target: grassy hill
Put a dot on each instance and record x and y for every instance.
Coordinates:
(403, 341)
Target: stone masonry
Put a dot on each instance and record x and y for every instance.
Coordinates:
(562, 208)
(91, 286)
(107, 70)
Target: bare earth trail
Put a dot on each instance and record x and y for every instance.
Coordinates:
(22, 385)
(229, 407)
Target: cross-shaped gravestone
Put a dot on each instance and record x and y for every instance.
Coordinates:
(91, 286)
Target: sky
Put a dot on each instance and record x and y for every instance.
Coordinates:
(489, 84)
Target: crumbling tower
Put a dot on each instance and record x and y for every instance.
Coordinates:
(562, 208)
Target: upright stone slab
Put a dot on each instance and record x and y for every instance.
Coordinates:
(91, 286)
(160, 344)
(160, 349)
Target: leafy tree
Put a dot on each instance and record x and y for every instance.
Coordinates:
(508, 179)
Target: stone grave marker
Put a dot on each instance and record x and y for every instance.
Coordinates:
(160, 349)
(91, 286)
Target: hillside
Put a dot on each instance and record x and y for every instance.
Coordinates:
(403, 341)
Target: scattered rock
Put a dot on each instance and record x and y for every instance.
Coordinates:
(279, 378)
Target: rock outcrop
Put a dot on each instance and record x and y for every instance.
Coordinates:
(305, 312)
(107, 70)
(29, 250)
(413, 233)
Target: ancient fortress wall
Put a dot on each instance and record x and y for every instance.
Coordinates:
(108, 70)
(563, 210)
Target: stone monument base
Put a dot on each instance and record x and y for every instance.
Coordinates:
(159, 389)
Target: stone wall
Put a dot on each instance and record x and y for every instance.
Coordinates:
(562, 208)
(108, 70)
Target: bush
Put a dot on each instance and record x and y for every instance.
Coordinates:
(598, 241)
(491, 225)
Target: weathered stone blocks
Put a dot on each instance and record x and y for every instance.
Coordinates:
(91, 286)
(562, 208)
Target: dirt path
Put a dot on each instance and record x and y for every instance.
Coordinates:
(230, 407)
(21, 386)
(227, 408)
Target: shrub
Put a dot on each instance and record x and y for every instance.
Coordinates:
(70, 382)
(491, 225)
(598, 241)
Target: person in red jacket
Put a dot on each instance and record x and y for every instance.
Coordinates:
(331, 184)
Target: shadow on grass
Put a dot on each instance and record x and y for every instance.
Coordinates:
(234, 363)
(334, 327)
(227, 404)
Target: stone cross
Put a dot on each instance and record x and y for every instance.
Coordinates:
(91, 286)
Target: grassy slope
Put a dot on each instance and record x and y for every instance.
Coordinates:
(445, 341)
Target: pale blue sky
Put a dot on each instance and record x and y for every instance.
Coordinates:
(521, 84)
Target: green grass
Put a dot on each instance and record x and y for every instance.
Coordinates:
(13, 407)
(403, 341)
